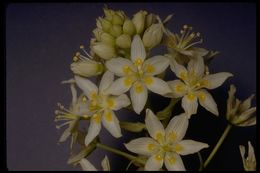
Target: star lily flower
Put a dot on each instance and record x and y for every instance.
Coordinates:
(191, 86)
(165, 145)
(138, 75)
(249, 163)
(102, 106)
(87, 166)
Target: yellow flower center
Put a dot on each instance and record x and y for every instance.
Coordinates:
(97, 118)
(179, 88)
(158, 157)
(126, 69)
(191, 96)
(108, 116)
(151, 147)
(148, 80)
(128, 81)
(110, 103)
(138, 61)
(138, 88)
(150, 68)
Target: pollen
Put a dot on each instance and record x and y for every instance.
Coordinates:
(110, 102)
(148, 80)
(108, 116)
(126, 69)
(128, 81)
(138, 88)
(150, 68)
(191, 96)
(158, 157)
(151, 147)
(138, 61)
(97, 118)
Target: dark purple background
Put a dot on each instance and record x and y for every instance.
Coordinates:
(41, 40)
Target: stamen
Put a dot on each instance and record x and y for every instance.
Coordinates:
(198, 42)
(82, 48)
(61, 125)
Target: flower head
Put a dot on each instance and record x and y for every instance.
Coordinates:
(193, 80)
(87, 166)
(102, 106)
(137, 75)
(249, 162)
(240, 113)
(165, 145)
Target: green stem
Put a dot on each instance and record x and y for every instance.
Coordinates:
(121, 153)
(220, 141)
(201, 162)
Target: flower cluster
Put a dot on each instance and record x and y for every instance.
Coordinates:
(120, 61)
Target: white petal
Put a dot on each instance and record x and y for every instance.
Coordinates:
(86, 165)
(106, 80)
(157, 85)
(173, 162)
(190, 147)
(94, 128)
(154, 126)
(178, 88)
(86, 85)
(189, 105)
(111, 123)
(156, 65)
(120, 86)
(153, 163)
(105, 164)
(74, 93)
(177, 127)
(138, 95)
(179, 70)
(196, 66)
(144, 146)
(207, 101)
(120, 102)
(137, 49)
(119, 65)
(215, 80)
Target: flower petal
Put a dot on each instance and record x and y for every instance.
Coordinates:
(179, 70)
(86, 165)
(94, 128)
(196, 66)
(120, 86)
(157, 85)
(173, 162)
(105, 164)
(156, 65)
(137, 49)
(106, 80)
(120, 66)
(74, 93)
(246, 104)
(215, 80)
(120, 102)
(207, 101)
(143, 146)
(190, 147)
(177, 127)
(86, 85)
(154, 126)
(111, 123)
(154, 163)
(138, 95)
(178, 88)
(190, 104)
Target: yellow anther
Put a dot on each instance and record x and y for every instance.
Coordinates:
(75, 59)
(183, 75)
(151, 147)
(191, 96)
(126, 69)
(158, 157)
(138, 88)
(138, 61)
(150, 68)
(108, 116)
(97, 118)
(171, 160)
(128, 81)
(110, 102)
(179, 88)
(148, 80)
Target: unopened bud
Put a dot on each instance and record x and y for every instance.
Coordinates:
(104, 51)
(153, 35)
(86, 68)
(116, 30)
(107, 39)
(106, 25)
(139, 21)
(123, 41)
(129, 27)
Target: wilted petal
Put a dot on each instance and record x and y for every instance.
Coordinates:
(138, 94)
(120, 102)
(212, 81)
(190, 147)
(156, 65)
(137, 49)
(120, 66)
(157, 85)
(120, 86)
(207, 101)
(94, 128)
(178, 88)
(111, 123)
(86, 85)
(86, 165)
(106, 81)
(105, 164)
(196, 66)
(154, 163)
(173, 162)
(144, 146)
(189, 104)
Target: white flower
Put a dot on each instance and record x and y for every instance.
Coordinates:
(138, 74)
(102, 106)
(192, 84)
(249, 163)
(87, 166)
(166, 145)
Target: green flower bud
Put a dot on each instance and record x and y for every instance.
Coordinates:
(107, 39)
(104, 51)
(108, 14)
(97, 33)
(153, 35)
(106, 25)
(139, 21)
(117, 19)
(123, 41)
(116, 30)
(87, 68)
(150, 19)
(129, 27)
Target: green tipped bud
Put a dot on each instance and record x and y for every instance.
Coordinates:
(106, 25)
(153, 35)
(97, 33)
(117, 19)
(150, 19)
(107, 39)
(123, 41)
(87, 68)
(129, 27)
(116, 30)
(139, 21)
(104, 51)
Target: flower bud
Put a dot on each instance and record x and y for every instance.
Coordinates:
(106, 25)
(123, 41)
(104, 51)
(153, 35)
(97, 33)
(107, 39)
(150, 19)
(129, 27)
(139, 21)
(108, 14)
(117, 19)
(116, 30)
(86, 68)
(132, 127)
